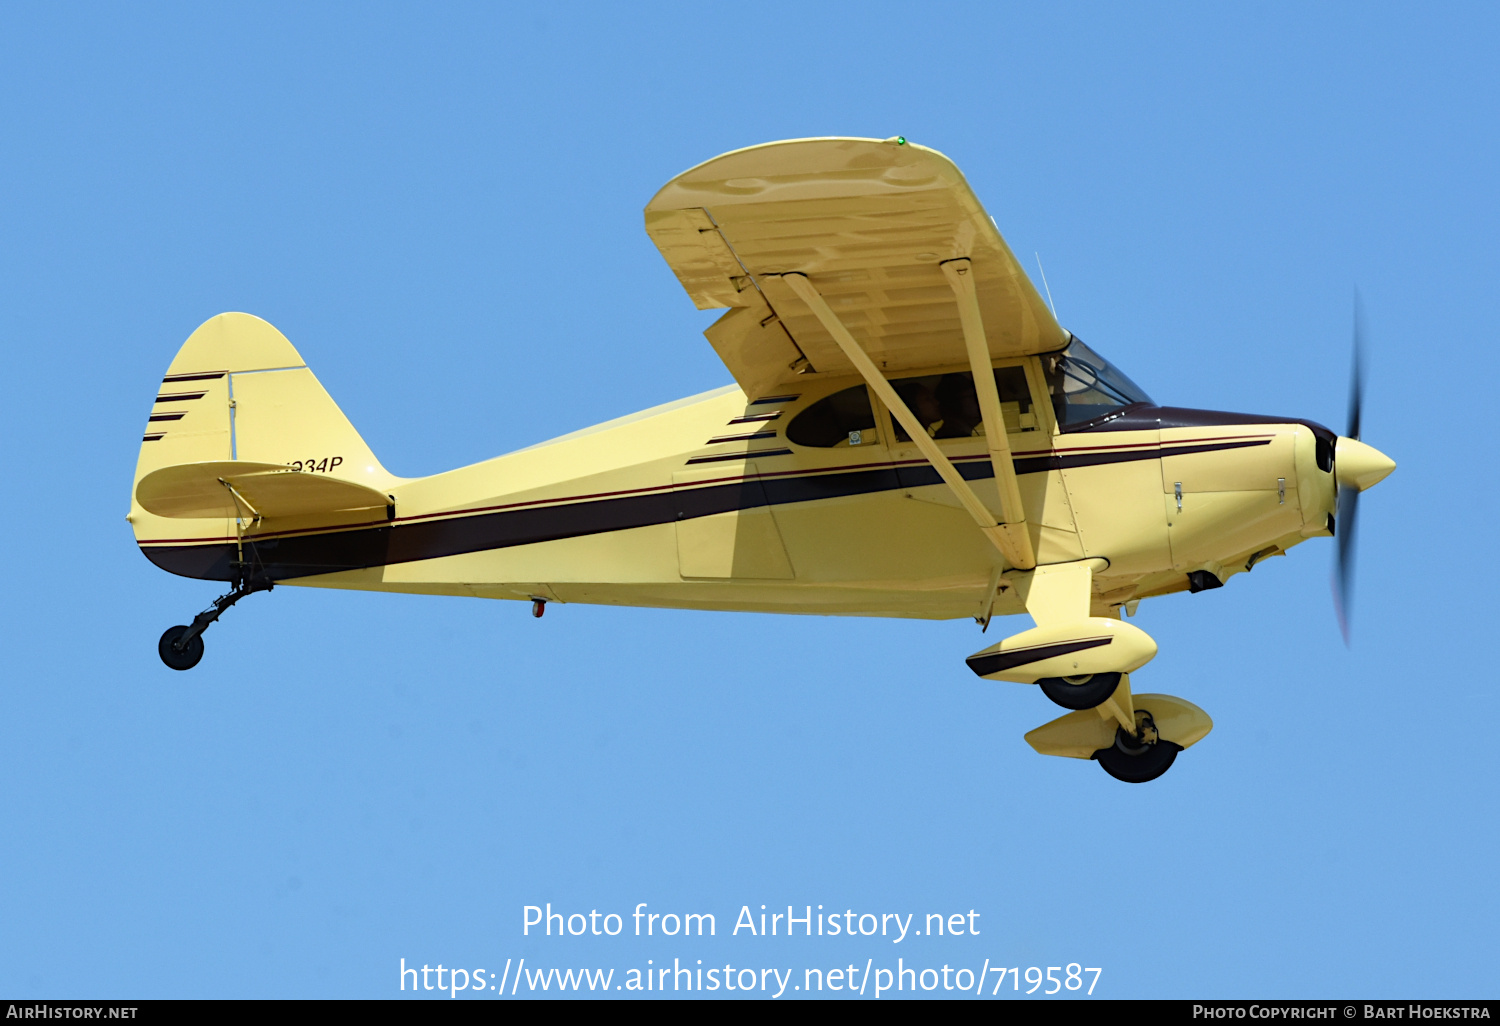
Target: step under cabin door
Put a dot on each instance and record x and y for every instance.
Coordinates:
(725, 529)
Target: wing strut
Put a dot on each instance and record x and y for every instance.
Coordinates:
(1012, 511)
(1003, 540)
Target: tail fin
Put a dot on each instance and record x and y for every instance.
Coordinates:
(238, 391)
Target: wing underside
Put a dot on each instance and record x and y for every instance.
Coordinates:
(869, 223)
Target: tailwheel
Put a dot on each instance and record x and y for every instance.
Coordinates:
(1138, 757)
(182, 646)
(179, 652)
(1086, 691)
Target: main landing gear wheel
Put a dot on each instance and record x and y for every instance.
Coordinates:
(177, 655)
(1083, 692)
(1137, 758)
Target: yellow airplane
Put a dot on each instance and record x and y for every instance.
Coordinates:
(911, 433)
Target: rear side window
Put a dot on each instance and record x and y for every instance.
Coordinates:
(831, 420)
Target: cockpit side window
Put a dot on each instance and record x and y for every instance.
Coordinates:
(843, 418)
(1084, 386)
(947, 406)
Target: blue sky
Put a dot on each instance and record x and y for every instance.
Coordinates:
(441, 208)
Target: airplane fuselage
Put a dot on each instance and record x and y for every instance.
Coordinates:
(707, 503)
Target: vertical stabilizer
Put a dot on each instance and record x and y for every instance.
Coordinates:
(239, 391)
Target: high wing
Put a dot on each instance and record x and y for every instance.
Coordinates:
(869, 223)
(841, 256)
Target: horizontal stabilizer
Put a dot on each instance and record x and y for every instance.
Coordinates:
(238, 488)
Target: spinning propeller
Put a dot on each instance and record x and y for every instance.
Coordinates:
(1357, 466)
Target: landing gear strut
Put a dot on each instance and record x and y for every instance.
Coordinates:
(182, 646)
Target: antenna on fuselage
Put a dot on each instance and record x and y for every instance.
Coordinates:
(1046, 286)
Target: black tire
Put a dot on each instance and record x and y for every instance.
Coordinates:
(1136, 762)
(1084, 692)
(187, 657)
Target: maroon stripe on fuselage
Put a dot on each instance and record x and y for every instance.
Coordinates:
(1145, 417)
(430, 536)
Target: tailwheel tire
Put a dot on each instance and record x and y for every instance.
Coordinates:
(1134, 760)
(1082, 692)
(179, 659)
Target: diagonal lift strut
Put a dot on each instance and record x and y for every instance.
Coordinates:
(1007, 535)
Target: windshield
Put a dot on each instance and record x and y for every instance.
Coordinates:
(1084, 385)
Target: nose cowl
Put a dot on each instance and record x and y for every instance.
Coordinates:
(1359, 466)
